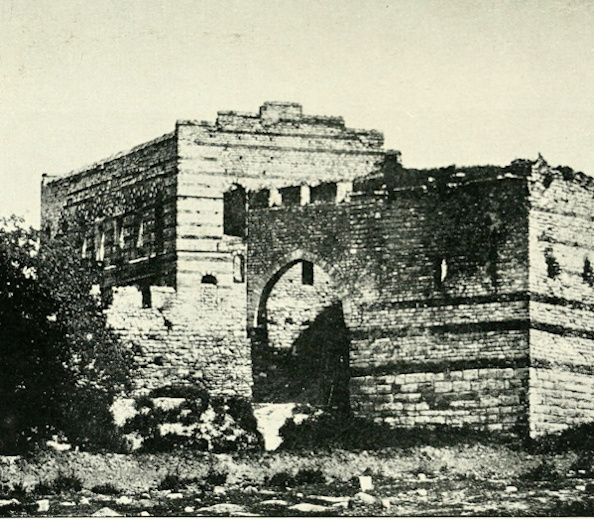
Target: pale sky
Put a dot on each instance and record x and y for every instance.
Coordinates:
(447, 81)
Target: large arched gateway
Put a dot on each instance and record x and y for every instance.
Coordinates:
(300, 347)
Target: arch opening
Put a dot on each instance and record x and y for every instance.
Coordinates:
(301, 353)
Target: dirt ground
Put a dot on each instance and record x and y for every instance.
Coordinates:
(462, 481)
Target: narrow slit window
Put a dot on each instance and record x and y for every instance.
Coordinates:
(147, 301)
(307, 274)
(588, 272)
(118, 233)
(140, 235)
(238, 268)
(440, 271)
(100, 248)
(553, 267)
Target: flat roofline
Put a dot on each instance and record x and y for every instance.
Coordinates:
(84, 169)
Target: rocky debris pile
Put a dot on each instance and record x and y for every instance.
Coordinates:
(421, 495)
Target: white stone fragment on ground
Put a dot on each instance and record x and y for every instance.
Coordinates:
(421, 476)
(328, 499)
(365, 483)
(275, 502)
(308, 507)
(84, 500)
(422, 492)
(188, 509)
(57, 445)
(341, 504)
(124, 500)
(364, 498)
(106, 512)
(511, 488)
(5, 502)
(224, 508)
(386, 503)
(175, 495)
(43, 505)
(219, 490)
(582, 488)
(144, 513)
(67, 503)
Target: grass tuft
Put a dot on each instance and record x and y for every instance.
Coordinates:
(106, 489)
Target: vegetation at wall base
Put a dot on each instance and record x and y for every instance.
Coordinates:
(60, 364)
(342, 430)
(579, 438)
(199, 421)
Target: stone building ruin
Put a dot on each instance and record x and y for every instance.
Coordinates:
(286, 257)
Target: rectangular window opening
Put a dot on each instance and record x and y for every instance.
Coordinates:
(291, 195)
(324, 193)
(307, 274)
(147, 301)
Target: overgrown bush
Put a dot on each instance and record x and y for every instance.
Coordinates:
(174, 482)
(545, 471)
(216, 477)
(584, 465)
(60, 364)
(200, 422)
(344, 431)
(62, 483)
(106, 489)
(578, 438)
(288, 479)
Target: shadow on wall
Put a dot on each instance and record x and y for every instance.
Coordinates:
(314, 371)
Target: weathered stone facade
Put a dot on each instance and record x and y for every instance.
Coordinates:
(167, 221)
(461, 296)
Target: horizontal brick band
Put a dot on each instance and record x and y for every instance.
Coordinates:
(487, 326)
(568, 367)
(440, 367)
(449, 301)
(563, 330)
(561, 301)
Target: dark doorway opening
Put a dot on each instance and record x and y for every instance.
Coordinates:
(315, 370)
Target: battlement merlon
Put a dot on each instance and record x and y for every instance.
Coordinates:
(286, 118)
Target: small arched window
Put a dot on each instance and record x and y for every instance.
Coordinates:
(209, 279)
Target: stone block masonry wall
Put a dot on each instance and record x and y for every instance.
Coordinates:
(487, 398)
(292, 305)
(157, 216)
(279, 236)
(184, 339)
(436, 302)
(561, 238)
(277, 147)
(121, 211)
(447, 319)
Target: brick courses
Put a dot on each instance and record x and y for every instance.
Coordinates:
(465, 291)
(495, 343)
